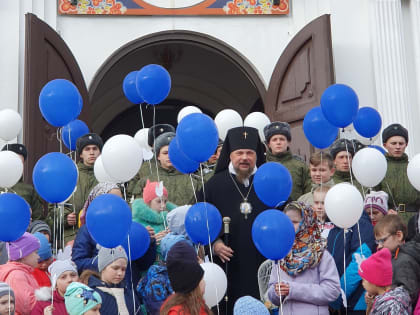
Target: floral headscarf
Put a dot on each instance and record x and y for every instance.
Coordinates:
(308, 247)
(99, 189)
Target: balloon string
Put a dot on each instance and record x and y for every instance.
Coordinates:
(8, 258)
(131, 272)
(345, 280)
(55, 227)
(278, 281)
(192, 184)
(141, 116)
(154, 141)
(62, 221)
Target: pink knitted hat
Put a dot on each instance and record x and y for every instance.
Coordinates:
(377, 269)
(149, 191)
(23, 246)
(377, 200)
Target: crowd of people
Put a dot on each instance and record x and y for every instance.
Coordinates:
(370, 268)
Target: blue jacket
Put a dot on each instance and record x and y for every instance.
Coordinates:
(85, 253)
(354, 252)
(109, 303)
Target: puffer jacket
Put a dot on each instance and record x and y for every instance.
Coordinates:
(144, 215)
(393, 302)
(297, 168)
(43, 296)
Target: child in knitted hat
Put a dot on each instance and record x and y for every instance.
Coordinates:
(376, 205)
(23, 258)
(247, 305)
(7, 300)
(63, 272)
(82, 300)
(40, 226)
(117, 297)
(45, 259)
(186, 277)
(376, 272)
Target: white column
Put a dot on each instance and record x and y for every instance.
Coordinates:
(415, 30)
(390, 66)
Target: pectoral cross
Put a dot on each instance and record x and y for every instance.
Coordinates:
(245, 134)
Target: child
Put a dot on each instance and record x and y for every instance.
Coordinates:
(63, 272)
(321, 168)
(40, 273)
(152, 210)
(117, 297)
(7, 300)
(42, 227)
(390, 232)
(376, 205)
(82, 300)
(23, 258)
(247, 305)
(376, 272)
(309, 278)
(186, 276)
(323, 222)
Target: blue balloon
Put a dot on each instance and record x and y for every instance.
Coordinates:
(130, 89)
(273, 234)
(319, 132)
(377, 147)
(368, 122)
(153, 83)
(139, 241)
(73, 131)
(196, 223)
(197, 136)
(108, 220)
(14, 217)
(60, 102)
(55, 177)
(179, 160)
(273, 184)
(339, 104)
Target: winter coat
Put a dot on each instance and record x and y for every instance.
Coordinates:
(44, 299)
(28, 192)
(397, 185)
(417, 309)
(110, 293)
(178, 185)
(20, 279)
(413, 227)
(308, 198)
(393, 302)
(143, 214)
(177, 309)
(310, 291)
(84, 254)
(406, 268)
(354, 252)
(42, 277)
(341, 177)
(298, 169)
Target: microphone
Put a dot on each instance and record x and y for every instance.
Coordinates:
(226, 222)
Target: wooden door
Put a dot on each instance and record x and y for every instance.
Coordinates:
(302, 73)
(47, 57)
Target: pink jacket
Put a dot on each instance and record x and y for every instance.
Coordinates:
(19, 277)
(417, 309)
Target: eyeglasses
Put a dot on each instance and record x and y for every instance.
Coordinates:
(382, 240)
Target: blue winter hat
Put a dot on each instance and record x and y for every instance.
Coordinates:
(247, 305)
(44, 251)
(168, 241)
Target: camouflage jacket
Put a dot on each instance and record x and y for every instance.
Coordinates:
(341, 177)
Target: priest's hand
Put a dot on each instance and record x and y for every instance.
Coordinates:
(224, 252)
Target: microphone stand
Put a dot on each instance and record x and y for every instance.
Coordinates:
(226, 222)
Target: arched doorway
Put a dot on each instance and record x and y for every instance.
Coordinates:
(205, 72)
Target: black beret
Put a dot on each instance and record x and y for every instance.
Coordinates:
(156, 131)
(277, 128)
(394, 130)
(88, 139)
(17, 148)
(342, 145)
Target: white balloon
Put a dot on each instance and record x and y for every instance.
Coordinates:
(147, 154)
(216, 283)
(122, 157)
(413, 171)
(369, 167)
(141, 137)
(11, 169)
(10, 124)
(227, 119)
(257, 120)
(344, 205)
(101, 175)
(186, 111)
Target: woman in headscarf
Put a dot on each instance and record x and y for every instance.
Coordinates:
(308, 280)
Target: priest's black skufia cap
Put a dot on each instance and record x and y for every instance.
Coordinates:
(277, 128)
(156, 130)
(17, 148)
(89, 139)
(394, 130)
(237, 139)
(341, 145)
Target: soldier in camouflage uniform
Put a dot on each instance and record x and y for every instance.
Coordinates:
(26, 191)
(278, 138)
(179, 186)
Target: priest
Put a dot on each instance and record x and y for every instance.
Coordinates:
(231, 191)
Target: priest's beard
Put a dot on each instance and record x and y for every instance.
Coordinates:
(242, 175)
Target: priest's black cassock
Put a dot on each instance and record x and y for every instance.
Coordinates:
(222, 192)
